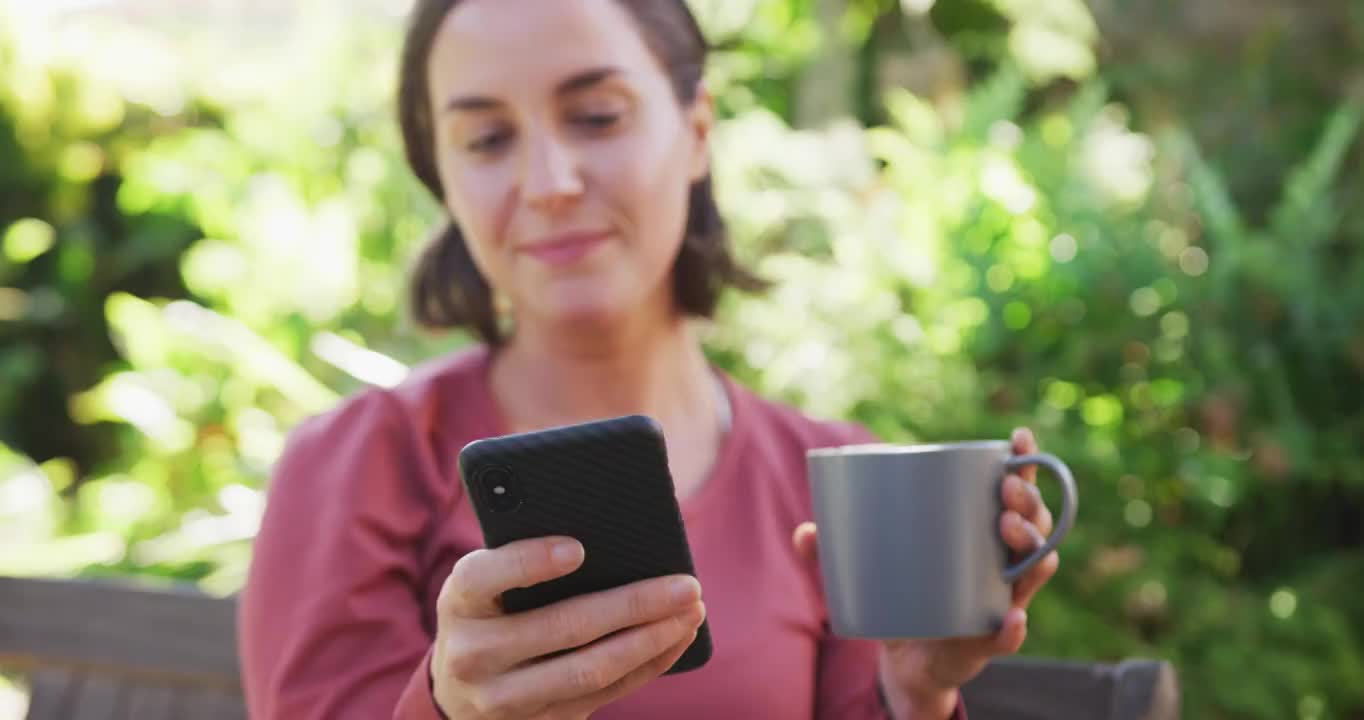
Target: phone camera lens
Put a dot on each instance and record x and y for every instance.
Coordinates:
(499, 489)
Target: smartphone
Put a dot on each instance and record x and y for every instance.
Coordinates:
(604, 483)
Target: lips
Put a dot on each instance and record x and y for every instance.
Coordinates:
(565, 248)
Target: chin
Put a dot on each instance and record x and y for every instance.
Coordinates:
(589, 303)
(586, 307)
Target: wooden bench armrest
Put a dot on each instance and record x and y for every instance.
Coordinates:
(1024, 688)
(181, 636)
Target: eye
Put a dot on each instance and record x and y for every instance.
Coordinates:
(596, 121)
(489, 142)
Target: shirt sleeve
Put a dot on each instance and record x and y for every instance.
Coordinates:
(330, 622)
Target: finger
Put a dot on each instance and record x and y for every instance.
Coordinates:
(1026, 499)
(1044, 521)
(478, 579)
(590, 670)
(1024, 443)
(1036, 577)
(1013, 632)
(1021, 496)
(633, 680)
(1020, 535)
(579, 621)
(805, 540)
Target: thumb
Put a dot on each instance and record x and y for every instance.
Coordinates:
(805, 541)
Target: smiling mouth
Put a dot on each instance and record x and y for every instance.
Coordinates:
(565, 249)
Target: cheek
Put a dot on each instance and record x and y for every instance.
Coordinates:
(478, 198)
(647, 181)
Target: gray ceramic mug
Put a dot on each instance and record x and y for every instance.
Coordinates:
(909, 541)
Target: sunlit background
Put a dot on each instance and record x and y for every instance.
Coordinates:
(1134, 226)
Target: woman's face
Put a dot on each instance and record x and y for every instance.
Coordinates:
(564, 154)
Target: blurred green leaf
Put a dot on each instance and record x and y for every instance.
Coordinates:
(27, 239)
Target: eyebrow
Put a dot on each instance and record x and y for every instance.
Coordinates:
(573, 83)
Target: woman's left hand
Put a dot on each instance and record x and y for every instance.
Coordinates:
(921, 677)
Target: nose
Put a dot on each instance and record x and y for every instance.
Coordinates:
(550, 178)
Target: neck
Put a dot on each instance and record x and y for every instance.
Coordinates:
(542, 378)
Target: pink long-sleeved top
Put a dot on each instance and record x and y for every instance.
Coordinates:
(366, 516)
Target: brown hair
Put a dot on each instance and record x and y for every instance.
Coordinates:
(447, 288)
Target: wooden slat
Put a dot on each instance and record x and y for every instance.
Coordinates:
(150, 702)
(97, 698)
(231, 707)
(185, 637)
(208, 704)
(1035, 689)
(50, 693)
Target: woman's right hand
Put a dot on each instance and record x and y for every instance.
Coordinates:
(490, 664)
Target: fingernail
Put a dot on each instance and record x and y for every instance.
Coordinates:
(684, 590)
(566, 553)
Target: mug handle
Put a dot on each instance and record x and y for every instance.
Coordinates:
(1058, 533)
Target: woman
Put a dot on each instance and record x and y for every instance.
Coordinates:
(568, 142)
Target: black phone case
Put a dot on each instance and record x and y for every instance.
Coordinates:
(605, 483)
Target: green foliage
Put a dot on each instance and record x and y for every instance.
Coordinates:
(1204, 386)
(189, 266)
(152, 384)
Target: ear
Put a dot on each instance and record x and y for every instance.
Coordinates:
(700, 119)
